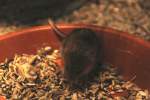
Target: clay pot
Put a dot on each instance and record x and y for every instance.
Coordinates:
(130, 54)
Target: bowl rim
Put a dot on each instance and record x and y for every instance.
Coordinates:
(67, 26)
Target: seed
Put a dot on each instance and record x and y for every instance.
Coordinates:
(44, 80)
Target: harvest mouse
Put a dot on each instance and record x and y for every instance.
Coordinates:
(80, 51)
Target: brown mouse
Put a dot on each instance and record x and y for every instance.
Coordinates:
(80, 51)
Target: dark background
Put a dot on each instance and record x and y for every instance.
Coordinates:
(132, 16)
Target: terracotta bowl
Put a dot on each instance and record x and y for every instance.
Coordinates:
(130, 54)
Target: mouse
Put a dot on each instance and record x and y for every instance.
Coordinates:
(80, 51)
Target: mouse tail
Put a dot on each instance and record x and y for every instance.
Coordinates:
(56, 29)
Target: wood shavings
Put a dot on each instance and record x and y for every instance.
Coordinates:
(38, 77)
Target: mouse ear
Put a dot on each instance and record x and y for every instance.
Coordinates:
(56, 29)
